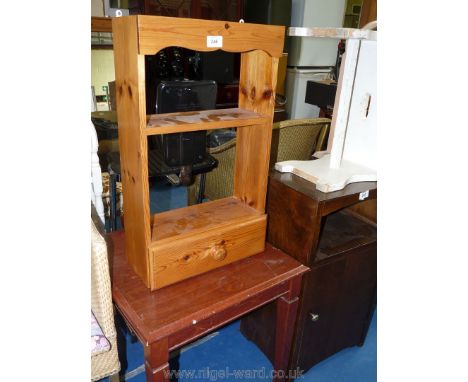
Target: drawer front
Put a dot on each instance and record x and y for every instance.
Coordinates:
(180, 258)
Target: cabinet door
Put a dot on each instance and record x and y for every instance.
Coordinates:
(180, 8)
(227, 10)
(321, 300)
(357, 298)
(338, 302)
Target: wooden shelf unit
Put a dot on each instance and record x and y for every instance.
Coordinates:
(169, 247)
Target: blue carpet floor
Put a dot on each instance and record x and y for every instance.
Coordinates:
(226, 355)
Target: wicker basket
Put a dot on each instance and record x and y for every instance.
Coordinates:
(103, 364)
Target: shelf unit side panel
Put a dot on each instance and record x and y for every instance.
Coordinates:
(131, 110)
(256, 93)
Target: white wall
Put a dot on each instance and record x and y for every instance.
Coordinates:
(97, 8)
(102, 69)
(315, 13)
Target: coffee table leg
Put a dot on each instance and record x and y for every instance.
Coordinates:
(286, 310)
(157, 361)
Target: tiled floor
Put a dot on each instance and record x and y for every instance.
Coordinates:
(226, 355)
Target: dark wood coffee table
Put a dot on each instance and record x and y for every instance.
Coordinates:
(170, 317)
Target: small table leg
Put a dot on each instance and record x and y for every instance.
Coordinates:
(157, 361)
(286, 310)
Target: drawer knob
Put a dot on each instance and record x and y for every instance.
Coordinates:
(314, 317)
(218, 252)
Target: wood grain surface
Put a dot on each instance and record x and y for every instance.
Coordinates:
(131, 113)
(135, 36)
(192, 240)
(256, 93)
(157, 314)
(338, 295)
(296, 209)
(200, 217)
(156, 33)
(190, 255)
(202, 120)
(101, 24)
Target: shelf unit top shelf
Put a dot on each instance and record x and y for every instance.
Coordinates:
(202, 120)
(200, 218)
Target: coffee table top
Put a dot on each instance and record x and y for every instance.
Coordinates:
(162, 312)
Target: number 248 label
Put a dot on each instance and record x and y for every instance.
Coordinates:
(214, 41)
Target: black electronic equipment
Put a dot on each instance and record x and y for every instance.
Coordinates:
(184, 149)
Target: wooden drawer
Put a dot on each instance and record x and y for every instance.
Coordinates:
(177, 258)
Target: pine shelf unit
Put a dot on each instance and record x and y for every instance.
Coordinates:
(174, 245)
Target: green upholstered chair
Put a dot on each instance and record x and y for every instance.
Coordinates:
(291, 140)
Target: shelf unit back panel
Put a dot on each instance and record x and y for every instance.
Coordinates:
(218, 241)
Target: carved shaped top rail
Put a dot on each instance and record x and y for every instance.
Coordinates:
(157, 32)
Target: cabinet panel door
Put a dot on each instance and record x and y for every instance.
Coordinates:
(321, 302)
(338, 302)
(357, 298)
(227, 10)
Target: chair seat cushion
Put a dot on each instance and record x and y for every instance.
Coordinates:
(99, 342)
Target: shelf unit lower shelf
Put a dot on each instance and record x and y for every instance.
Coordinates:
(192, 240)
(202, 120)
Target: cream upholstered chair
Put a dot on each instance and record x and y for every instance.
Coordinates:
(291, 139)
(104, 362)
(96, 178)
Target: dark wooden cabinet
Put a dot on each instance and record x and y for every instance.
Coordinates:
(228, 10)
(339, 294)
